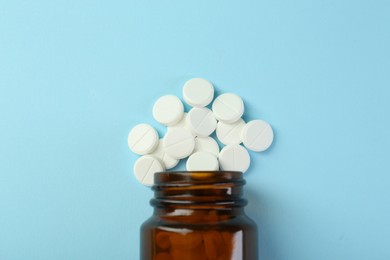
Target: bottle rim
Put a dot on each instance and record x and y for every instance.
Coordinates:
(199, 189)
(185, 178)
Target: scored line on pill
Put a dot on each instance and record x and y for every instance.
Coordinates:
(202, 121)
(231, 130)
(142, 136)
(227, 105)
(147, 172)
(258, 135)
(180, 142)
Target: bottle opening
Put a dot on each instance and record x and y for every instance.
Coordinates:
(191, 178)
(198, 189)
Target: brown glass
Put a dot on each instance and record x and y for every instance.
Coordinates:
(199, 216)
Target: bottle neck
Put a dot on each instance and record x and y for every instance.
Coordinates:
(198, 194)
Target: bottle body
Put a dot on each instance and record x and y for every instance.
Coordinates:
(199, 216)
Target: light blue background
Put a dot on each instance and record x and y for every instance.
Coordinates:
(75, 76)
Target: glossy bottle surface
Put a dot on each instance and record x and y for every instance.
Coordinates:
(199, 216)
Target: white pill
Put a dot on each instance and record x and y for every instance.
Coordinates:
(167, 160)
(182, 124)
(178, 143)
(234, 158)
(206, 144)
(198, 92)
(230, 133)
(257, 135)
(201, 121)
(228, 108)
(145, 168)
(202, 161)
(168, 110)
(142, 139)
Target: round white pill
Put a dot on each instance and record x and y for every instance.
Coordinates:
(178, 143)
(230, 133)
(145, 168)
(234, 158)
(228, 108)
(181, 124)
(206, 144)
(198, 92)
(202, 161)
(257, 135)
(168, 110)
(201, 121)
(142, 139)
(160, 154)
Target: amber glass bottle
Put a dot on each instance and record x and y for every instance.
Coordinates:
(199, 216)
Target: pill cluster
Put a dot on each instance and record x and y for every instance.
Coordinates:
(188, 134)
